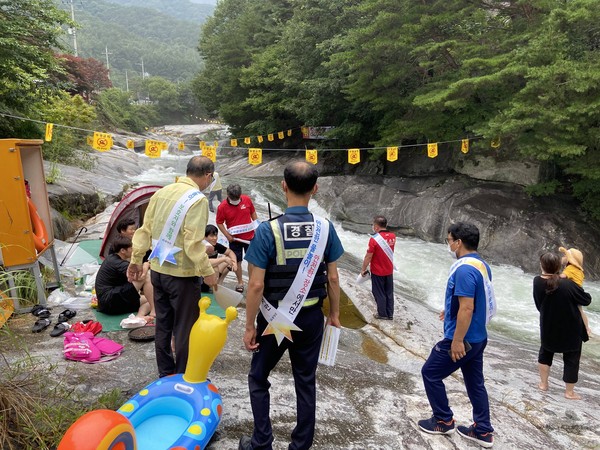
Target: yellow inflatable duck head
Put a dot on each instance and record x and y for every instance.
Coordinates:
(207, 339)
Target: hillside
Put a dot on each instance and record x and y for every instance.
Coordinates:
(156, 33)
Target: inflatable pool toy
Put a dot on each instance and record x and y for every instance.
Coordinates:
(226, 297)
(177, 412)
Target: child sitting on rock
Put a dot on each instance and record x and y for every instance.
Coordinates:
(573, 262)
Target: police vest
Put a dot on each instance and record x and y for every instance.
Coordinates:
(292, 239)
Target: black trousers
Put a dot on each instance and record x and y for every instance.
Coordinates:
(383, 291)
(304, 356)
(570, 360)
(176, 304)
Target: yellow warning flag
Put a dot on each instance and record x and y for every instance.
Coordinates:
(270, 137)
(210, 152)
(392, 154)
(49, 127)
(202, 145)
(153, 149)
(354, 155)
(89, 140)
(234, 142)
(289, 133)
(164, 145)
(311, 156)
(102, 141)
(181, 145)
(464, 146)
(255, 156)
(246, 140)
(280, 135)
(130, 144)
(216, 144)
(260, 139)
(495, 142)
(432, 150)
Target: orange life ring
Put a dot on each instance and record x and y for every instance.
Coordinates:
(40, 234)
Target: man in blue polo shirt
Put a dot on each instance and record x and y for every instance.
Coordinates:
(293, 260)
(469, 306)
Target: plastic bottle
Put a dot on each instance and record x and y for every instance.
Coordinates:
(79, 285)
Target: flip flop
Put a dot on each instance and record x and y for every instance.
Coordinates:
(66, 315)
(239, 288)
(40, 324)
(59, 329)
(40, 311)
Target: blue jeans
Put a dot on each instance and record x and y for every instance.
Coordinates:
(439, 366)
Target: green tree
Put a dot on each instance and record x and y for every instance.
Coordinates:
(29, 34)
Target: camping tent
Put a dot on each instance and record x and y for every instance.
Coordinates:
(133, 205)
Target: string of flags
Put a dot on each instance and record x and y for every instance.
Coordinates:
(103, 142)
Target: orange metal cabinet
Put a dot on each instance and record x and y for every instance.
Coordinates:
(21, 160)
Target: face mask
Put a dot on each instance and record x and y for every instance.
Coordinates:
(235, 202)
(452, 252)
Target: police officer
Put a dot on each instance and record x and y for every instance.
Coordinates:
(275, 256)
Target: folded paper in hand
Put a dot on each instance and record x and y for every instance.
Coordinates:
(329, 345)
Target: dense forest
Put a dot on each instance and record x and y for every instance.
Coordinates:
(525, 74)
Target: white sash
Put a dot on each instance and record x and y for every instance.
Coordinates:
(245, 228)
(281, 320)
(490, 297)
(214, 181)
(385, 247)
(164, 248)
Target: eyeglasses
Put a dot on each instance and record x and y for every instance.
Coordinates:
(450, 241)
(211, 176)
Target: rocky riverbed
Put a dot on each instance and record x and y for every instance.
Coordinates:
(373, 396)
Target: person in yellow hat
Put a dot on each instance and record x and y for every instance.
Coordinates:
(573, 261)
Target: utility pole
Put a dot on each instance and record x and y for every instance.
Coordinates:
(126, 81)
(73, 30)
(143, 71)
(107, 64)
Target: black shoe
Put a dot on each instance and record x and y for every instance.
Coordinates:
(377, 316)
(245, 443)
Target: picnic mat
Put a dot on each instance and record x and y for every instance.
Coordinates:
(112, 323)
(92, 246)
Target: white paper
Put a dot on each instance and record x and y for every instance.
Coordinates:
(329, 345)
(360, 279)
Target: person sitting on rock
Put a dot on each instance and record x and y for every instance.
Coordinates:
(222, 259)
(115, 294)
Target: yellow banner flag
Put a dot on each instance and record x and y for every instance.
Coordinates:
(289, 133)
(432, 150)
(49, 127)
(260, 139)
(354, 155)
(164, 145)
(495, 142)
(130, 144)
(216, 144)
(464, 146)
(181, 145)
(311, 156)
(246, 140)
(234, 142)
(270, 137)
(153, 149)
(255, 156)
(102, 141)
(202, 144)
(89, 140)
(280, 135)
(210, 152)
(392, 154)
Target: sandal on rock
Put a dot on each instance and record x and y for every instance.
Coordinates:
(66, 315)
(40, 324)
(59, 329)
(40, 311)
(239, 288)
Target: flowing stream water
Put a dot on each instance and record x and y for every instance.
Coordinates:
(423, 266)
